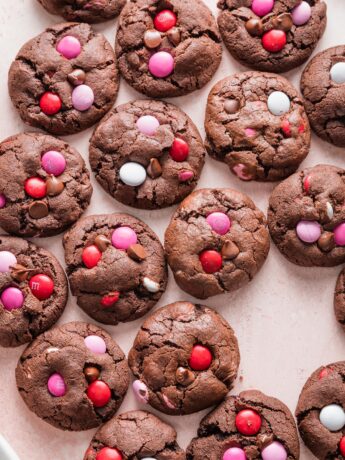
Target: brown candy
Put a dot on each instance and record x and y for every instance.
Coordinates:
(154, 169)
(229, 250)
(255, 27)
(174, 36)
(231, 106)
(283, 22)
(137, 252)
(184, 376)
(38, 209)
(54, 186)
(91, 374)
(20, 273)
(152, 38)
(102, 242)
(326, 241)
(77, 77)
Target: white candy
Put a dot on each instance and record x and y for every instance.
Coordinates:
(338, 73)
(330, 212)
(332, 417)
(150, 285)
(148, 458)
(132, 174)
(278, 103)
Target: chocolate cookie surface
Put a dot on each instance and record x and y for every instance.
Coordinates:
(276, 36)
(74, 376)
(185, 358)
(256, 124)
(65, 79)
(116, 267)
(323, 88)
(167, 49)
(320, 412)
(44, 185)
(339, 299)
(216, 242)
(306, 216)
(147, 154)
(33, 290)
(250, 425)
(135, 435)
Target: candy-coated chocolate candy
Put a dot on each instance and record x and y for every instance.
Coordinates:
(123, 237)
(211, 261)
(329, 210)
(337, 73)
(168, 403)
(185, 176)
(50, 103)
(12, 298)
(262, 7)
(248, 422)
(110, 299)
(69, 47)
(325, 372)
(147, 124)
(56, 385)
(231, 106)
(2, 200)
(107, 453)
(148, 458)
(240, 171)
(339, 234)
(54, 186)
(249, 132)
(96, 344)
(306, 184)
(91, 256)
(308, 231)
(219, 222)
(274, 40)
(234, 453)
(274, 451)
(278, 103)
(200, 358)
(141, 391)
(332, 417)
(342, 446)
(165, 20)
(82, 98)
(286, 128)
(76, 77)
(326, 241)
(255, 28)
(7, 260)
(91, 374)
(42, 286)
(99, 393)
(53, 163)
(132, 174)
(152, 38)
(150, 285)
(301, 13)
(161, 64)
(179, 150)
(35, 187)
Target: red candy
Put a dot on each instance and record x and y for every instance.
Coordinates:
(211, 261)
(301, 128)
(325, 372)
(41, 286)
(274, 40)
(248, 422)
(200, 358)
(109, 299)
(286, 128)
(306, 184)
(91, 256)
(109, 454)
(165, 20)
(179, 150)
(50, 103)
(342, 446)
(35, 187)
(99, 393)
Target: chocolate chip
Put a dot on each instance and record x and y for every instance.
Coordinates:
(154, 169)
(137, 252)
(38, 209)
(77, 77)
(174, 36)
(102, 242)
(231, 105)
(326, 241)
(229, 250)
(91, 374)
(19, 272)
(54, 186)
(184, 376)
(255, 27)
(283, 22)
(263, 440)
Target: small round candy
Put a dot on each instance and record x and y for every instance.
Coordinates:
(342, 446)
(274, 451)
(308, 231)
(56, 385)
(99, 393)
(132, 174)
(200, 358)
(161, 64)
(234, 453)
(2, 200)
(82, 98)
(91, 256)
(152, 38)
(7, 260)
(107, 453)
(12, 298)
(274, 40)
(185, 176)
(150, 285)
(219, 222)
(35, 187)
(325, 372)
(262, 7)
(53, 163)
(301, 13)
(179, 150)
(339, 234)
(211, 261)
(278, 103)
(337, 73)
(147, 124)
(332, 417)
(248, 422)
(50, 103)
(123, 237)
(165, 20)
(141, 391)
(95, 344)
(42, 287)
(69, 47)
(110, 299)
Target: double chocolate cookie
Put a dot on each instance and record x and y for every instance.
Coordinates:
(74, 376)
(147, 154)
(33, 290)
(257, 125)
(185, 358)
(167, 49)
(216, 242)
(44, 185)
(339, 299)
(248, 426)
(321, 412)
(323, 88)
(272, 35)
(306, 216)
(116, 267)
(65, 79)
(135, 435)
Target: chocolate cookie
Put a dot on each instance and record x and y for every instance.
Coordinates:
(135, 435)
(65, 79)
(306, 216)
(248, 426)
(339, 299)
(320, 412)
(323, 88)
(44, 185)
(256, 124)
(147, 154)
(116, 267)
(185, 359)
(271, 35)
(216, 242)
(74, 376)
(33, 290)
(84, 10)
(167, 49)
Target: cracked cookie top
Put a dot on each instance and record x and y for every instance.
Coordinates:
(216, 242)
(65, 79)
(44, 185)
(74, 376)
(185, 359)
(33, 291)
(167, 48)
(339, 299)
(116, 267)
(272, 35)
(321, 412)
(248, 426)
(135, 435)
(256, 124)
(306, 216)
(147, 154)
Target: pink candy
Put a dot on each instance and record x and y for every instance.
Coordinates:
(56, 385)
(274, 451)
(262, 7)
(168, 403)
(234, 453)
(301, 13)
(308, 231)
(250, 132)
(185, 176)
(148, 125)
(141, 391)
(339, 234)
(123, 237)
(2, 200)
(7, 260)
(69, 47)
(82, 98)
(219, 222)
(161, 64)
(239, 170)
(53, 163)
(12, 298)
(95, 344)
